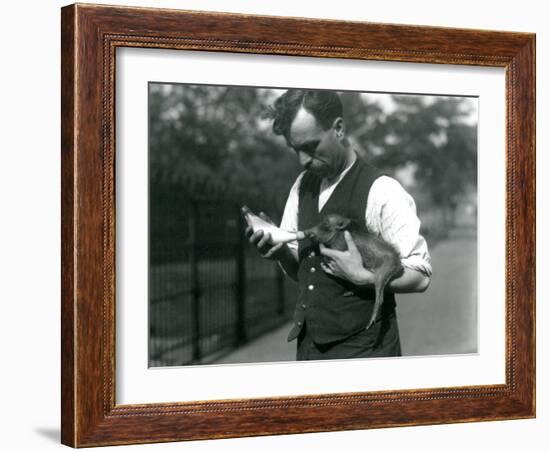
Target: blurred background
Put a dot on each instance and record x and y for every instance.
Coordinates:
(213, 300)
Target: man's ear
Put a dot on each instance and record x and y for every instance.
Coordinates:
(344, 224)
(339, 127)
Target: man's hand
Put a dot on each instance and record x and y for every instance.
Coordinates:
(261, 241)
(348, 264)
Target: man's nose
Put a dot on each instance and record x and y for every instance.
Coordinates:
(305, 159)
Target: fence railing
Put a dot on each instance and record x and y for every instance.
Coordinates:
(209, 290)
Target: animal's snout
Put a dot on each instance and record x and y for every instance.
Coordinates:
(310, 233)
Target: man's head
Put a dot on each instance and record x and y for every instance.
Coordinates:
(312, 124)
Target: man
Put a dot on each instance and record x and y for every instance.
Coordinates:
(336, 294)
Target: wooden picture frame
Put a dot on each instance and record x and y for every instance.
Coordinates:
(90, 36)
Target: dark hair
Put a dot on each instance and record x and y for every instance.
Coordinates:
(325, 106)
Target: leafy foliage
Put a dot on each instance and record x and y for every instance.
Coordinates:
(216, 133)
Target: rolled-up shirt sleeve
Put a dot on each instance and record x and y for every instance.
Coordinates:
(391, 212)
(289, 222)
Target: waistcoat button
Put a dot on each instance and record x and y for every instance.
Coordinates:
(312, 270)
(310, 287)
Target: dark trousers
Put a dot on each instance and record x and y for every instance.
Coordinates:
(380, 340)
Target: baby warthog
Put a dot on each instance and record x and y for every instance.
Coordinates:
(379, 256)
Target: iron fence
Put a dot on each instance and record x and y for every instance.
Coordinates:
(209, 290)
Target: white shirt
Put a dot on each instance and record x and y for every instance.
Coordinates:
(390, 213)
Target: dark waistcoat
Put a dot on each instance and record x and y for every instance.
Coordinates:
(333, 308)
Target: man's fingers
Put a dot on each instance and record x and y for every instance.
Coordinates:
(327, 251)
(273, 250)
(326, 269)
(248, 231)
(349, 240)
(256, 236)
(264, 240)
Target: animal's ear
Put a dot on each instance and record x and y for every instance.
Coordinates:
(343, 224)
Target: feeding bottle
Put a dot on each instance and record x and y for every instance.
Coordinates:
(278, 235)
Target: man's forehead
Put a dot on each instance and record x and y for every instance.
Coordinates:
(304, 127)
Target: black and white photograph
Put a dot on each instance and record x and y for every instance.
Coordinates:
(302, 224)
(242, 226)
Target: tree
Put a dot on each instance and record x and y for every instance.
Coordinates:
(433, 139)
(217, 133)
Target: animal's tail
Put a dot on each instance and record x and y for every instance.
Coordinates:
(382, 277)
